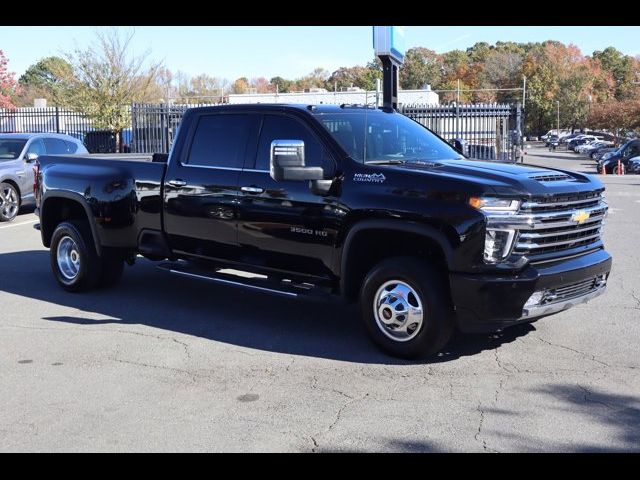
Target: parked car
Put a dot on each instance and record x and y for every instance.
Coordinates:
(552, 141)
(634, 165)
(589, 147)
(626, 152)
(580, 140)
(335, 200)
(598, 153)
(18, 152)
(568, 136)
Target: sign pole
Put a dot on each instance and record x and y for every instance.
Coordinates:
(388, 43)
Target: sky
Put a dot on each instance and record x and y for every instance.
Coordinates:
(289, 51)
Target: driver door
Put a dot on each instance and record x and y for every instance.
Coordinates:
(282, 225)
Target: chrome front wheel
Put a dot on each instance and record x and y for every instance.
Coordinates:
(9, 202)
(398, 310)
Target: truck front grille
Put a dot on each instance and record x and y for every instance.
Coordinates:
(561, 222)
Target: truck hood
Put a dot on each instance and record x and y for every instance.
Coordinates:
(511, 179)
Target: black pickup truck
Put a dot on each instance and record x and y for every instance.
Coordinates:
(349, 201)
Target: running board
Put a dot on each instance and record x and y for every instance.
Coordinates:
(260, 283)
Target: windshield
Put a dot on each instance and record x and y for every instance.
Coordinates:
(11, 149)
(382, 137)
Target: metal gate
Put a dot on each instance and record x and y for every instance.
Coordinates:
(58, 120)
(487, 131)
(154, 126)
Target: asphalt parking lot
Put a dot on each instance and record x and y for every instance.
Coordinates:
(161, 363)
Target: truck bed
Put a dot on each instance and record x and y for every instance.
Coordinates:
(123, 191)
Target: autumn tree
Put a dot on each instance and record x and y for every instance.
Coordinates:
(241, 85)
(108, 78)
(261, 85)
(8, 85)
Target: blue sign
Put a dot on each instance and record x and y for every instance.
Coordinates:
(389, 41)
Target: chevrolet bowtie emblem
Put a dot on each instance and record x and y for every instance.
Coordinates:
(580, 216)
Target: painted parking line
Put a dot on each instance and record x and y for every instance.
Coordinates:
(30, 222)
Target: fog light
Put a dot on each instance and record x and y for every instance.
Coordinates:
(534, 299)
(497, 245)
(601, 280)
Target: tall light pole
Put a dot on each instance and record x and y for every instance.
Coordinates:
(558, 103)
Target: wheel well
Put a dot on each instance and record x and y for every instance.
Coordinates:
(14, 185)
(59, 210)
(370, 246)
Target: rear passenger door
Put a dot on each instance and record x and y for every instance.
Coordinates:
(201, 187)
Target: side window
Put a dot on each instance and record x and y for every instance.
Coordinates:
(71, 147)
(278, 127)
(55, 146)
(632, 151)
(220, 141)
(37, 147)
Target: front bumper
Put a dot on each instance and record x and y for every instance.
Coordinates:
(490, 302)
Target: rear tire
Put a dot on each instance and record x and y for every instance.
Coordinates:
(74, 261)
(406, 307)
(9, 202)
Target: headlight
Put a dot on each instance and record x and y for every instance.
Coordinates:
(494, 205)
(498, 242)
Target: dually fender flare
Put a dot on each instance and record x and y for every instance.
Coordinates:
(76, 197)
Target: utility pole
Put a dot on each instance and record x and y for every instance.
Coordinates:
(558, 103)
(524, 91)
(458, 94)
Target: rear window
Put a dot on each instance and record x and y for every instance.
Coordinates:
(220, 141)
(57, 146)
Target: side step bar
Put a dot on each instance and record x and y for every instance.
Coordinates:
(285, 288)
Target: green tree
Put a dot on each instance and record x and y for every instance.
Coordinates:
(281, 85)
(50, 77)
(621, 68)
(421, 66)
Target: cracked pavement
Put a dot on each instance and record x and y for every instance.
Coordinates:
(161, 363)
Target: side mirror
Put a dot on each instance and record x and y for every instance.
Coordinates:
(287, 162)
(31, 157)
(458, 144)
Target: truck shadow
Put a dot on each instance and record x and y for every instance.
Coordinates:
(149, 296)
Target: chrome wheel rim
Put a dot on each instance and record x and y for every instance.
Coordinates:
(8, 202)
(68, 257)
(398, 311)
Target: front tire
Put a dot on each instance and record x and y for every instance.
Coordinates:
(74, 261)
(9, 202)
(406, 307)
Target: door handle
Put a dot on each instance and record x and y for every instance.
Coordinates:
(177, 183)
(252, 189)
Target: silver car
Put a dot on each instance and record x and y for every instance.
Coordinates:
(18, 152)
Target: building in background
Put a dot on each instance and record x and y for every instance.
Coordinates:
(317, 96)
